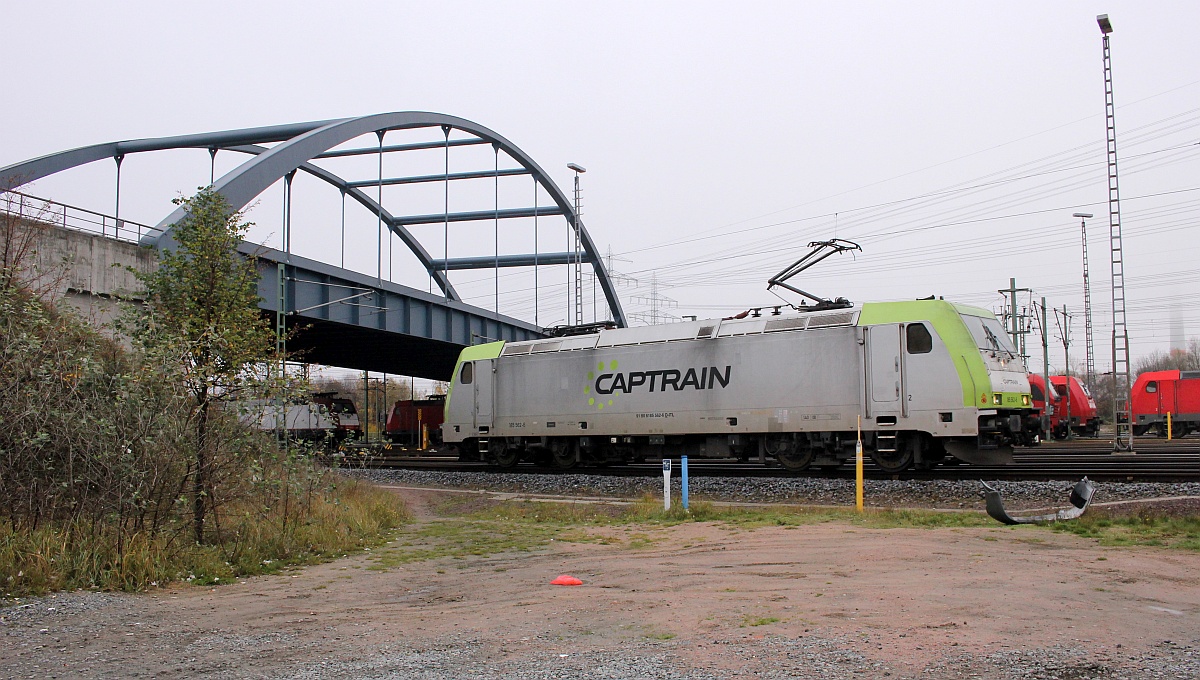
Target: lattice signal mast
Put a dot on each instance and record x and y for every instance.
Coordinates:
(1087, 304)
(1123, 428)
(577, 262)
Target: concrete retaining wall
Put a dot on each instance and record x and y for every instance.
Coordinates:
(90, 271)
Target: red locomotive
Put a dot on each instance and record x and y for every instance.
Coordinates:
(1080, 411)
(1157, 393)
(343, 413)
(416, 422)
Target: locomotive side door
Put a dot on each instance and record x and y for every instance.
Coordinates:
(484, 394)
(883, 370)
(1168, 399)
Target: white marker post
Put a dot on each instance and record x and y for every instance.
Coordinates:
(666, 484)
(858, 469)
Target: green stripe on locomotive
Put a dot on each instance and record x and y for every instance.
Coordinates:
(946, 320)
(489, 350)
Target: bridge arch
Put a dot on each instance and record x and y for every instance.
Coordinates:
(296, 145)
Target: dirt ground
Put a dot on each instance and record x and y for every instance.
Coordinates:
(907, 601)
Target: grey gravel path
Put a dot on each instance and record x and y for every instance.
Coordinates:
(32, 636)
(54, 636)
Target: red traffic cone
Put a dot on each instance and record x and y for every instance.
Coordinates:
(566, 580)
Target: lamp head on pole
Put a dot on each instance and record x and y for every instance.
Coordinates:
(1083, 215)
(1105, 24)
(576, 167)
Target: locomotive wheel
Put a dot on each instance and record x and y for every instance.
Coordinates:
(505, 456)
(786, 450)
(562, 454)
(899, 460)
(796, 461)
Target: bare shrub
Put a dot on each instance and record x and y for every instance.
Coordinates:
(24, 225)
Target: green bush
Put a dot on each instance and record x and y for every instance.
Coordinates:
(105, 484)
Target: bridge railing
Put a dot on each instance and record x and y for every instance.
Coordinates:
(26, 207)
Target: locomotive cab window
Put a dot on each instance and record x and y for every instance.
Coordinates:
(467, 374)
(1152, 386)
(1036, 393)
(989, 335)
(918, 339)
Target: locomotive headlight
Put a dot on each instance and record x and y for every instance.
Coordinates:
(1025, 400)
(996, 399)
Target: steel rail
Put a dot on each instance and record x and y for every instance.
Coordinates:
(1166, 467)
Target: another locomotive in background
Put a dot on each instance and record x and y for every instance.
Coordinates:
(1156, 394)
(343, 413)
(416, 423)
(1071, 405)
(325, 417)
(921, 380)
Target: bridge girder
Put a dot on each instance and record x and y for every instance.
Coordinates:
(297, 144)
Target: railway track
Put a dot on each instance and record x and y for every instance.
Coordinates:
(1154, 460)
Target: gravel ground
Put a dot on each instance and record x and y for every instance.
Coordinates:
(330, 621)
(797, 490)
(101, 635)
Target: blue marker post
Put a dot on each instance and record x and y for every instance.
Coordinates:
(683, 469)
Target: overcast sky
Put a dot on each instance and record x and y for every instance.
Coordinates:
(952, 140)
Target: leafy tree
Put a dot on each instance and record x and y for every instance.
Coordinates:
(201, 314)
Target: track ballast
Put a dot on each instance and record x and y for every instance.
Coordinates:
(1154, 460)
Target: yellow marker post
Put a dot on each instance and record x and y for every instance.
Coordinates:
(858, 471)
(1168, 426)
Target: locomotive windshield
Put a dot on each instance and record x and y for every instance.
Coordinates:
(989, 334)
(342, 406)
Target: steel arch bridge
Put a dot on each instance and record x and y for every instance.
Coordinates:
(278, 152)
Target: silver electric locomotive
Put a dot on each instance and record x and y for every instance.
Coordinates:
(917, 381)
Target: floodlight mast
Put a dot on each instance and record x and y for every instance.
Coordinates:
(820, 251)
(1122, 425)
